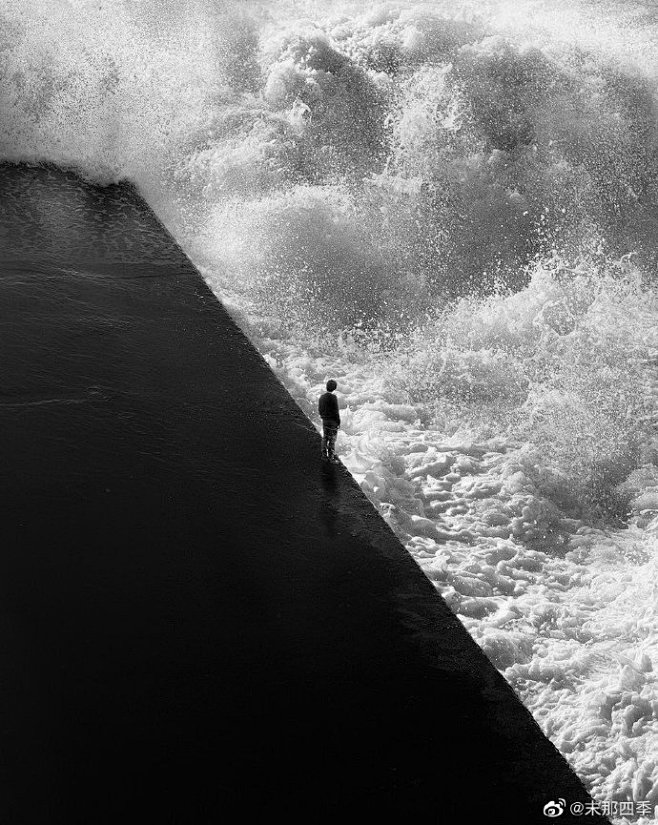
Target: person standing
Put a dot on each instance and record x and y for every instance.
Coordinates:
(328, 409)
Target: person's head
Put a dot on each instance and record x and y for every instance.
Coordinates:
(331, 385)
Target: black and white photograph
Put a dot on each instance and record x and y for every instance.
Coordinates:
(328, 412)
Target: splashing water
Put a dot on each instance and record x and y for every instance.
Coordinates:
(451, 210)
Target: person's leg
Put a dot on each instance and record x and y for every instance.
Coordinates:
(332, 433)
(325, 440)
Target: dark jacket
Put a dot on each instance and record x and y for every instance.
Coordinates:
(328, 409)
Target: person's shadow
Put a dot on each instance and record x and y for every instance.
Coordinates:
(328, 511)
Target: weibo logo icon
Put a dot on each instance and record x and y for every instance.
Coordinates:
(553, 809)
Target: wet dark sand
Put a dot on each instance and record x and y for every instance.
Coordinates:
(199, 622)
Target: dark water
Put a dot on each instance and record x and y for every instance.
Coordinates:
(193, 619)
